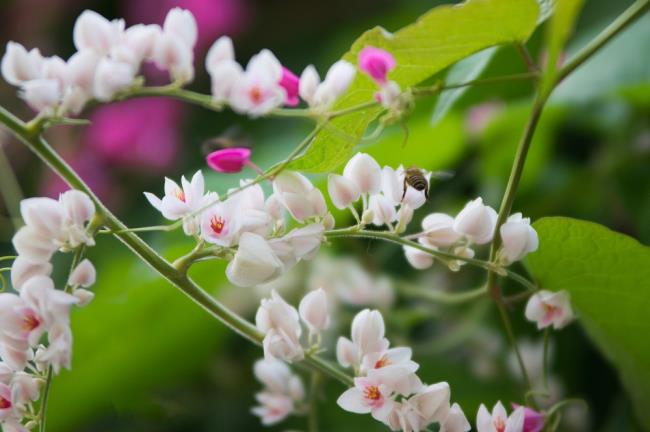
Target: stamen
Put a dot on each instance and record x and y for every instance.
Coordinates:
(217, 224)
(180, 194)
(4, 403)
(372, 393)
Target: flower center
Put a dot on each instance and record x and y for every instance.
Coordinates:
(180, 194)
(4, 403)
(499, 425)
(382, 362)
(372, 393)
(256, 95)
(550, 311)
(30, 321)
(217, 223)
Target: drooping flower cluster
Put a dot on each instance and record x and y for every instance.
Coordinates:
(280, 323)
(38, 308)
(107, 61)
(249, 226)
(265, 84)
(283, 391)
(386, 385)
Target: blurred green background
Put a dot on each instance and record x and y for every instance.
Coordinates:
(146, 359)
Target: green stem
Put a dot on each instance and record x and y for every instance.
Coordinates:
(437, 296)
(631, 14)
(215, 308)
(313, 401)
(45, 395)
(545, 370)
(527, 58)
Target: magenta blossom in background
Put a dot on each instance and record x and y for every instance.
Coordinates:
(290, 82)
(533, 420)
(140, 133)
(377, 63)
(478, 116)
(229, 160)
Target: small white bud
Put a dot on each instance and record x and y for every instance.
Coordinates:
(313, 311)
(404, 217)
(367, 217)
(19, 65)
(476, 221)
(365, 172)
(112, 77)
(42, 95)
(518, 238)
(383, 210)
(254, 263)
(23, 269)
(181, 23)
(439, 230)
(84, 296)
(83, 275)
(329, 222)
(417, 258)
(309, 81)
(347, 353)
(221, 51)
(342, 191)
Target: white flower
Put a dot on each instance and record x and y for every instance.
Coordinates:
(273, 407)
(299, 244)
(431, 403)
(181, 23)
(172, 54)
(112, 77)
(221, 51)
(280, 323)
(548, 308)
(365, 172)
(347, 353)
(439, 230)
(499, 421)
(258, 91)
(319, 95)
(455, 421)
(314, 312)
(476, 221)
(394, 356)
(182, 203)
(25, 388)
(94, 32)
(278, 344)
(84, 274)
(369, 395)
(42, 95)
(23, 269)
(274, 374)
(19, 65)
(254, 263)
(518, 238)
(141, 39)
(392, 185)
(221, 223)
(33, 244)
(342, 191)
(58, 353)
(417, 258)
(382, 209)
(299, 196)
(368, 331)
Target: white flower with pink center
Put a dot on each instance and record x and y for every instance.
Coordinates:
(498, 420)
(369, 395)
(548, 308)
(258, 89)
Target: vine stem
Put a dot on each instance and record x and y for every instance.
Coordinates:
(44, 399)
(30, 137)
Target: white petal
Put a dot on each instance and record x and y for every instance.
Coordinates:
(352, 400)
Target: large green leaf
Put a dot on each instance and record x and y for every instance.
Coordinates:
(608, 276)
(441, 37)
(560, 27)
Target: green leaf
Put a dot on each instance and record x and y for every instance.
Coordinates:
(558, 32)
(608, 277)
(440, 38)
(465, 70)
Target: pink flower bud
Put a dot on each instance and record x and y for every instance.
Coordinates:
(342, 190)
(229, 160)
(290, 82)
(83, 275)
(376, 63)
(533, 420)
(417, 258)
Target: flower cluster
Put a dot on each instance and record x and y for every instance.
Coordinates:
(386, 385)
(283, 391)
(249, 228)
(38, 308)
(475, 224)
(280, 323)
(265, 84)
(107, 61)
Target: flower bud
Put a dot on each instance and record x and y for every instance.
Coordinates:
(376, 62)
(78, 206)
(45, 215)
(533, 420)
(142, 40)
(19, 65)
(476, 221)
(342, 191)
(42, 95)
(432, 402)
(309, 81)
(83, 296)
(274, 374)
(224, 77)
(462, 251)
(81, 69)
(417, 258)
(404, 217)
(439, 230)
(94, 32)
(365, 172)
(313, 311)
(278, 344)
(83, 275)
(299, 196)
(254, 262)
(339, 77)
(221, 51)
(455, 421)
(229, 160)
(347, 353)
(33, 245)
(25, 388)
(383, 210)
(23, 269)
(548, 308)
(388, 95)
(290, 83)
(328, 221)
(181, 23)
(112, 77)
(367, 217)
(173, 55)
(518, 238)
(368, 331)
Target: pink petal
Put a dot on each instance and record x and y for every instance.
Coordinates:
(229, 160)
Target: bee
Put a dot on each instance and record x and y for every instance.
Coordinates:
(417, 179)
(231, 137)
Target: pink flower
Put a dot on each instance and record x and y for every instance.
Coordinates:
(290, 82)
(369, 395)
(533, 420)
(229, 160)
(376, 63)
